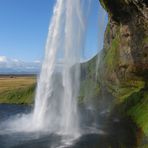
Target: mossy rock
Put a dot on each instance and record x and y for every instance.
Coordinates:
(135, 106)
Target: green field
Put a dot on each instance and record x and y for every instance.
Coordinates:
(17, 89)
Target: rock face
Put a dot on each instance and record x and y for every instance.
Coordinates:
(126, 39)
(120, 84)
(125, 57)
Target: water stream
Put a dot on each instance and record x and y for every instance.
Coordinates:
(55, 109)
(66, 34)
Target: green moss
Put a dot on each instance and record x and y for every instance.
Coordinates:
(135, 106)
(89, 86)
(145, 41)
(18, 96)
(139, 110)
(129, 89)
(144, 146)
(111, 58)
(123, 91)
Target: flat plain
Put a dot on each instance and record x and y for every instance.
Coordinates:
(17, 89)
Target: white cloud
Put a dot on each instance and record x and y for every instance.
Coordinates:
(16, 65)
(9, 65)
(15, 60)
(3, 59)
(37, 61)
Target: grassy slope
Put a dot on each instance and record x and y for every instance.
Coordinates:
(17, 89)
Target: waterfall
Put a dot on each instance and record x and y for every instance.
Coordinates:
(56, 107)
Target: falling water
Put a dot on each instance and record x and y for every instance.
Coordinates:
(55, 108)
(58, 113)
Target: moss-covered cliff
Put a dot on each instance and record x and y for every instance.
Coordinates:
(125, 58)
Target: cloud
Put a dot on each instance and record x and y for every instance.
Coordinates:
(16, 66)
(8, 65)
(3, 59)
(37, 61)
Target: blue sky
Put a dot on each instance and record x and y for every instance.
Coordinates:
(24, 27)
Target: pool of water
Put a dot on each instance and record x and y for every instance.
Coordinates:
(111, 133)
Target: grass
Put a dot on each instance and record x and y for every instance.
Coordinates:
(17, 89)
(123, 91)
(136, 107)
(139, 111)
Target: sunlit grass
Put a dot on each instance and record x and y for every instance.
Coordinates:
(17, 89)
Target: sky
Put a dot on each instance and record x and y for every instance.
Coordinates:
(24, 28)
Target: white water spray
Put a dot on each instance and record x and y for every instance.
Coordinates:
(55, 108)
(67, 34)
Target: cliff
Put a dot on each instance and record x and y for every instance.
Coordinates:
(124, 70)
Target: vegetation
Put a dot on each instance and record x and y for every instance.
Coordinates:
(135, 107)
(111, 57)
(139, 109)
(17, 89)
(89, 85)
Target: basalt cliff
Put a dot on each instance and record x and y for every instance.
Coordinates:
(124, 60)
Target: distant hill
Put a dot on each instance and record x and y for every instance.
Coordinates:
(15, 66)
(6, 71)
